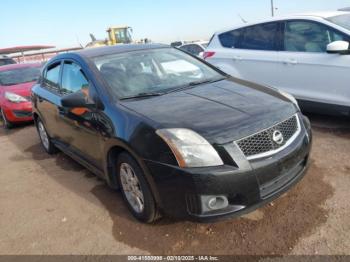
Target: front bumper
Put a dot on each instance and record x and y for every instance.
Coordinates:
(247, 185)
(18, 112)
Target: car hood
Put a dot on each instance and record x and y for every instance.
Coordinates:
(20, 89)
(221, 112)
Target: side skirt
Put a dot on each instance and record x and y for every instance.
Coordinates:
(81, 160)
(324, 109)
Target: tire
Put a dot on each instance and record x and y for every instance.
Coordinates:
(144, 209)
(7, 124)
(44, 138)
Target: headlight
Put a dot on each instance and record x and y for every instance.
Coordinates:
(189, 148)
(290, 97)
(14, 98)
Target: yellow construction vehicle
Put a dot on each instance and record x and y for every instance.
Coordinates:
(116, 35)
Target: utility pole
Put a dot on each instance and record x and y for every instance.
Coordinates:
(272, 9)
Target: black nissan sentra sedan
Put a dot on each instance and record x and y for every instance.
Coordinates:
(176, 135)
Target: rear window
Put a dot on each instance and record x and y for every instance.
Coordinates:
(19, 76)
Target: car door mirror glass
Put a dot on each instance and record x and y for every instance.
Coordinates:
(77, 99)
(338, 47)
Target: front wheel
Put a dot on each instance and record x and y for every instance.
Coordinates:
(135, 189)
(44, 138)
(6, 122)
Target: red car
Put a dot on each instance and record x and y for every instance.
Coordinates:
(16, 82)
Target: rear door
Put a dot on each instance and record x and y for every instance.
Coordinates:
(306, 69)
(48, 98)
(250, 53)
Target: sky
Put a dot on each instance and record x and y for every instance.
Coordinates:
(67, 23)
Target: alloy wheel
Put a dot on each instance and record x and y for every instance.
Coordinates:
(131, 187)
(43, 135)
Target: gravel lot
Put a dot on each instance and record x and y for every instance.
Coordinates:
(52, 205)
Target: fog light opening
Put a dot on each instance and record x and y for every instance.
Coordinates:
(218, 202)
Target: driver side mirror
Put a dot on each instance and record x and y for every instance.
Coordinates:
(338, 47)
(77, 99)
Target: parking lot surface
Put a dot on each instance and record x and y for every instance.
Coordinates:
(52, 205)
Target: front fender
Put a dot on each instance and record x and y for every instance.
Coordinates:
(116, 146)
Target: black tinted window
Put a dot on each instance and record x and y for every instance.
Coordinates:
(305, 36)
(259, 37)
(73, 78)
(230, 39)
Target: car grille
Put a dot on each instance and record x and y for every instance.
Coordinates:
(262, 143)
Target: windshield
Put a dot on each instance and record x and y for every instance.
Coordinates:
(341, 20)
(154, 71)
(19, 76)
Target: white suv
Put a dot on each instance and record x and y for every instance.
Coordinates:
(305, 55)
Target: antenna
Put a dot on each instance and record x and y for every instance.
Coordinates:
(78, 41)
(272, 9)
(243, 20)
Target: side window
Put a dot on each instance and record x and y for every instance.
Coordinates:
(73, 78)
(52, 76)
(306, 36)
(230, 39)
(260, 37)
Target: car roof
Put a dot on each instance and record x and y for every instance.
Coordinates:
(17, 66)
(117, 49)
(315, 15)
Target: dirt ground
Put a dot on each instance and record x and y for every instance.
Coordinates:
(52, 205)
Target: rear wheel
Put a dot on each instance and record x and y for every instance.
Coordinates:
(44, 138)
(7, 124)
(135, 189)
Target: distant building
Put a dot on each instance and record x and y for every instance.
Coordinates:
(346, 9)
(34, 53)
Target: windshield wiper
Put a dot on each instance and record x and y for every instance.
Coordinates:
(142, 95)
(195, 83)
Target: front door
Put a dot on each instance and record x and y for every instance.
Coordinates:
(78, 125)
(306, 69)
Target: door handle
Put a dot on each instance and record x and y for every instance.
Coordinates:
(237, 58)
(291, 62)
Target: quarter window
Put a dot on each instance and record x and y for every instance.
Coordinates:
(306, 36)
(73, 78)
